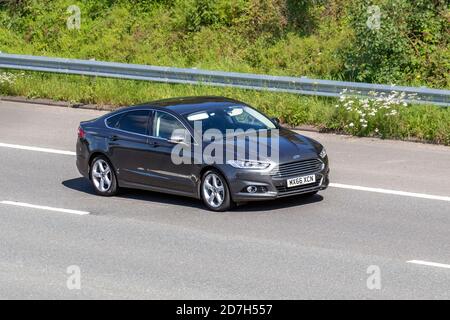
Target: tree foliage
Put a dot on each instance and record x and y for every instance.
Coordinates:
(315, 38)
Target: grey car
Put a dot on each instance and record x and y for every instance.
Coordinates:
(136, 147)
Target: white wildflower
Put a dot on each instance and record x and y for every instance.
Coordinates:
(7, 78)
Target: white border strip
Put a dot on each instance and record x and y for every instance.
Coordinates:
(27, 205)
(430, 264)
(387, 191)
(47, 150)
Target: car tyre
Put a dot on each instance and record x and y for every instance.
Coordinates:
(103, 177)
(215, 192)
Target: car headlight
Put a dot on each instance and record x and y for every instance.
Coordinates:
(249, 164)
(323, 153)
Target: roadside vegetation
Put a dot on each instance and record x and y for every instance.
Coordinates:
(318, 39)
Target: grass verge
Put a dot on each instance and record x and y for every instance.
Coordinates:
(415, 122)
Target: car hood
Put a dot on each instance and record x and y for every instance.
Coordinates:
(292, 147)
(296, 147)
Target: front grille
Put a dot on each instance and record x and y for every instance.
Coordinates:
(298, 168)
(284, 189)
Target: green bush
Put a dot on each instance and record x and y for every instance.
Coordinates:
(320, 39)
(411, 45)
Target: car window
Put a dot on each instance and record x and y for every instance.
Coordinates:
(230, 117)
(112, 121)
(134, 122)
(244, 118)
(164, 124)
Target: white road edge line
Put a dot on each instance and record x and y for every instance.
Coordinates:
(394, 192)
(431, 264)
(334, 185)
(47, 150)
(27, 205)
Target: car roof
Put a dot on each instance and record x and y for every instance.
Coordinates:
(185, 105)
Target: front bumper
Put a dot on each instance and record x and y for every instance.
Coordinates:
(273, 187)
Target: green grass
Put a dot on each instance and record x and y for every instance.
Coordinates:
(424, 123)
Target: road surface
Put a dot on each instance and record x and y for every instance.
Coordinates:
(381, 231)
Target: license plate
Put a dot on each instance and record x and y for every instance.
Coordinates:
(298, 181)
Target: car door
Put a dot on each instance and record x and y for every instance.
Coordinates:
(128, 145)
(164, 172)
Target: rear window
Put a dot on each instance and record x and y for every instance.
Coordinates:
(112, 121)
(133, 121)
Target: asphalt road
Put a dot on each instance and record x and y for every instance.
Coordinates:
(148, 245)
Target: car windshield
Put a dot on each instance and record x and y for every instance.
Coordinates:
(230, 117)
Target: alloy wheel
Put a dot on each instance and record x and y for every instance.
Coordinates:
(101, 175)
(213, 190)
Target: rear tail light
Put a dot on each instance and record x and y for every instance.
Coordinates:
(81, 133)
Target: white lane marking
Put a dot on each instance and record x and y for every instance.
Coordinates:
(47, 150)
(431, 264)
(335, 185)
(27, 205)
(394, 192)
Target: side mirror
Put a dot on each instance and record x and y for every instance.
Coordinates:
(179, 136)
(276, 121)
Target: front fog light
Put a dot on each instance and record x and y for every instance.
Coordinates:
(252, 189)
